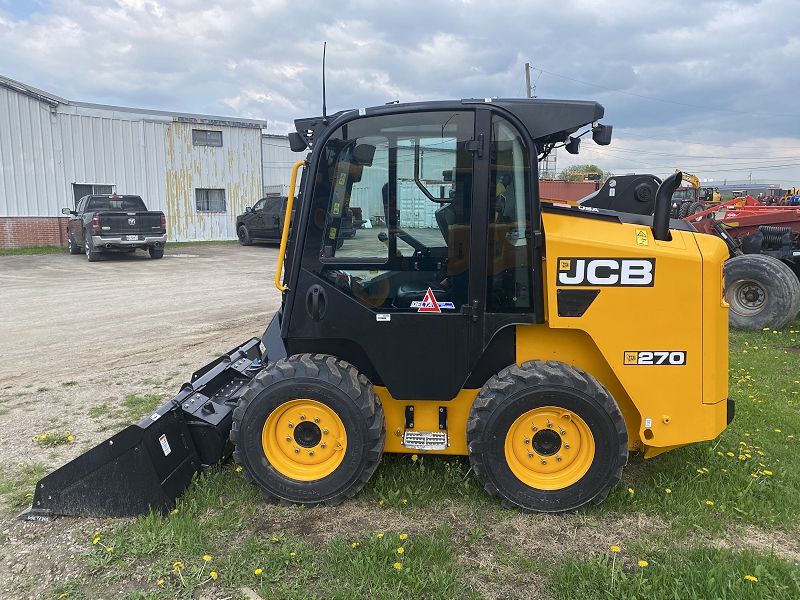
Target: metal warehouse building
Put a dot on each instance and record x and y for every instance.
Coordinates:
(200, 170)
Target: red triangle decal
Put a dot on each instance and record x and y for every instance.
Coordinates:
(429, 303)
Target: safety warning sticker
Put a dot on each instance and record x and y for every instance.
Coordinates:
(429, 304)
(164, 444)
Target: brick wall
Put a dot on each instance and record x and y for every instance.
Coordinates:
(18, 232)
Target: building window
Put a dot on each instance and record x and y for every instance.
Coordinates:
(202, 137)
(79, 190)
(210, 200)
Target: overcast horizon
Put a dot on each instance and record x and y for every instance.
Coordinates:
(707, 87)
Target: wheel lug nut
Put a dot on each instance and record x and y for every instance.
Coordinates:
(323, 445)
(302, 417)
(544, 462)
(291, 425)
(558, 458)
(549, 424)
(534, 428)
(316, 419)
(325, 431)
(288, 438)
(563, 432)
(566, 446)
(530, 454)
(297, 450)
(311, 453)
(527, 441)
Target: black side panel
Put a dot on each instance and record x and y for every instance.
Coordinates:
(341, 348)
(573, 303)
(501, 352)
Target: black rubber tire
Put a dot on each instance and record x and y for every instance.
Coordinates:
(683, 210)
(244, 236)
(73, 247)
(694, 208)
(329, 381)
(156, 252)
(761, 291)
(517, 390)
(91, 254)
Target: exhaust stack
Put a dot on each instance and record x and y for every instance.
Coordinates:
(663, 206)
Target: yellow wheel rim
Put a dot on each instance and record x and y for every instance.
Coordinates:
(304, 440)
(549, 448)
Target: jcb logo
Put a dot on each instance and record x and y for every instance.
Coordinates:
(639, 272)
(654, 357)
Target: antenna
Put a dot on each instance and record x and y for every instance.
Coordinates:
(324, 48)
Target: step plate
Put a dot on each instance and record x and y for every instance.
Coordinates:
(425, 440)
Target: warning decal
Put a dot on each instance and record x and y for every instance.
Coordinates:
(429, 304)
(164, 444)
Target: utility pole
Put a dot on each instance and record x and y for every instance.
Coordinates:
(528, 80)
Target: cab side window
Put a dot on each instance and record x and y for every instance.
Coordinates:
(509, 282)
(260, 205)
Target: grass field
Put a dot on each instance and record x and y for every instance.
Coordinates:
(28, 250)
(717, 519)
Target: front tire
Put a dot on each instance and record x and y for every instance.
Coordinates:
(73, 247)
(546, 437)
(244, 236)
(761, 291)
(309, 430)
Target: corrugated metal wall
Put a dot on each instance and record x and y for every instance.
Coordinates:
(44, 150)
(277, 161)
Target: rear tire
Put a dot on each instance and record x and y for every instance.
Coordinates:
(694, 208)
(683, 210)
(546, 437)
(73, 247)
(156, 252)
(244, 236)
(309, 430)
(762, 292)
(91, 254)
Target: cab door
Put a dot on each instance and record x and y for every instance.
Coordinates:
(404, 300)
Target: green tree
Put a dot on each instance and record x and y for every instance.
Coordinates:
(578, 172)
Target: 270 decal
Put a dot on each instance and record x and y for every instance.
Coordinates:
(655, 357)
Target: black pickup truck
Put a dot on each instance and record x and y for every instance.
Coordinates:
(103, 222)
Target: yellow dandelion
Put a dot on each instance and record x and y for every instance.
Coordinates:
(405, 501)
(354, 545)
(710, 502)
(777, 431)
(730, 454)
(213, 574)
(239, 469)
(206, 557)
(258, 572)
(70, 438)
(414, 458)
(615, 548)
(750, 578)
(398, 566)
(274, 539)
(700, 471)
(380, 502)
(110, 549)
(642, 563)
(630, 490)
(96, 540)
(767, 472)
(292, 553)
(669, 491)
(160, 582)
(724, 470)
(754, 475)
(403, 536)
(720, 453)
(177, 566)
(174, 511)
(64, 595)
(400, 550)
(380, 535)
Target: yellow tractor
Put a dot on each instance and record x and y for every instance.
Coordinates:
(536, 339)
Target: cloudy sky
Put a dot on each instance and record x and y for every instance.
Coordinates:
(710, 87)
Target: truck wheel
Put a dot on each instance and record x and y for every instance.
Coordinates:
(73, 247)
(308, 430)
(762, 292)
(694, 208)
(244, 236)
(156, 252)
(547, 437)
(91, 254)
(683, 210)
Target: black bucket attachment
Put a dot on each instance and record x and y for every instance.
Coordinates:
(147, 466)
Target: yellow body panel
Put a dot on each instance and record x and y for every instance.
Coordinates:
(683, 313)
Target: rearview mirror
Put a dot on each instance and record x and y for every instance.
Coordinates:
(573, 145)
(602, 134)
(66, 211)
(296, 142)
(363, 154)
